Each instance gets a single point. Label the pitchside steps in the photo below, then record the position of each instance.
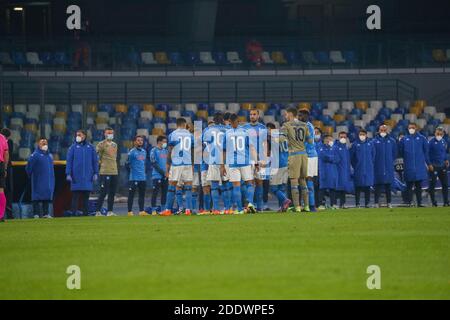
(59, 122)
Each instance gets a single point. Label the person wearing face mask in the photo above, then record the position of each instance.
(414, 150)
(41, 171)
(328, 164)
(344, 185)
(158, 160)
(81, 171)
(385, 155)
(440, 164)
(107, 155)
(362, 157)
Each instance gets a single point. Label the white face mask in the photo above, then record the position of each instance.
(44, 148)
(317, 137)
(164, 145)
(412, 131)
(362, 138)
(109, 136)
(438, 138)
(343, 140)
(78, 139)
(383, 134)
(331, 143)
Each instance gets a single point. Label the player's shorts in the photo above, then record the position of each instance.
(279, 176)
(298, 166)
(2, 175)
(205, 181)
(181, 174)
(313, 167)
(237, 174)
(196, 179)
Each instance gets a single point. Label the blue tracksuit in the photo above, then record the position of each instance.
(158, 159)
(344, 169)
(82, 165)
(414, 151)
(136, 163)
(42, 173)
(438, 152)
(385, 155)
(328, 164)
(362, 157)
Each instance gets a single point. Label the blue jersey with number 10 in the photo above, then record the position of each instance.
(214, 139)
(182, 142)
(237, 146)
(283, 151)
(311, 147)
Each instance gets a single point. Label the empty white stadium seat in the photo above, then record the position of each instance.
(50, 108)
(367, 117)
(191, 107)
(33, 58)
(148, 58)
(90, 120)
(206, 57)
(348, 105)
(359, 123)
(5, 58)
(77, 108)
(172, 126)
(439, 116)
(341, 128)
(421, 123)
(146, 115)
(234, 107)
(21, 108)
(397, 117)
(220, 107)
(174, 114)
(101, 126)
(16, 123)
(24, 153)
(161, 126)
(152, 140)
(268, 119)
(142, 132)
(32, 115)
(266, 58)
(411, 117)
(333, 105)
(233, 57)
(376, 104)
(336, 56)
(430, 110)
(391, 104)
(328, 112)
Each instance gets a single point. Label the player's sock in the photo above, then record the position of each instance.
(305, 196)
(229, 195)
(279, 194)
(2, 205)
(223, 190)
(179, 195)
(250, 192)
(283, 189)
(188, 190)
(259, 197)
(195, 201)
(207, 201)
(237, 197)
(215, 195)
(310, 184)
(170, 197)
(295, 195)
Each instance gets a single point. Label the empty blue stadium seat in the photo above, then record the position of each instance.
(135, 58)
(220, 58)
(292, 57)
(19, 58)
(163, 107)
(323, 57)
(193, 58)
(176, 58)
(350, 57)
(62, 59)
(46, 58)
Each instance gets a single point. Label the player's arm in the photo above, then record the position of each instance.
(169, 160)
(308, 136)
(155, 164)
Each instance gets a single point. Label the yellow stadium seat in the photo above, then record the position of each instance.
(318, 124)
(202, 114)
(390, 123)
(161, 58)
(339, 117)
(242, 119)
(32, 127)
(415, 110)
(247, 106)
(59, 128)
(100, 120)
(127, 144)
(7, 108)
(92, 108)
(149, 107)
(158, 131)
(328, 130)
(447, 120)
(363, 105)
(278, 57)
(61, 114)
(160, 114)
(121, 108)
(262, 106)
(420, 103)
(304, 105)
(439, 55)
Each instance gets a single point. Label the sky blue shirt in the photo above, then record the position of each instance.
(282, 154)
(214, 140)
(237, 146)
(159, 157)
(182, 142)
(258, 135)
(136, 161)
(311, 150)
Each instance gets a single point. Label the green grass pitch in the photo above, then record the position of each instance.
(267, 256)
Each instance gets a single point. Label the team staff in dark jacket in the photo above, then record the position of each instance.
(344, 169)
(328, 179)
(385, 155)
(439, 165)
(414, 150)
(81, 170)
(362, 156)
(42, 173)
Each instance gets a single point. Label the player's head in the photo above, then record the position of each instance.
(362, 135)
(138, 141)
(6, 132)
(226, 118)
(342, 137)
(254, 115)
(383, 130)
(400, 136)
(439, 133)
(161, 141)
(43, 144)
(181, 123)
(303, 115)
(291, 113)
(317, 133)
(270, 126)
(328, 140)
(80, 136)
(234, 120)
(412, 128)
(218, 118)
(109, 133)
